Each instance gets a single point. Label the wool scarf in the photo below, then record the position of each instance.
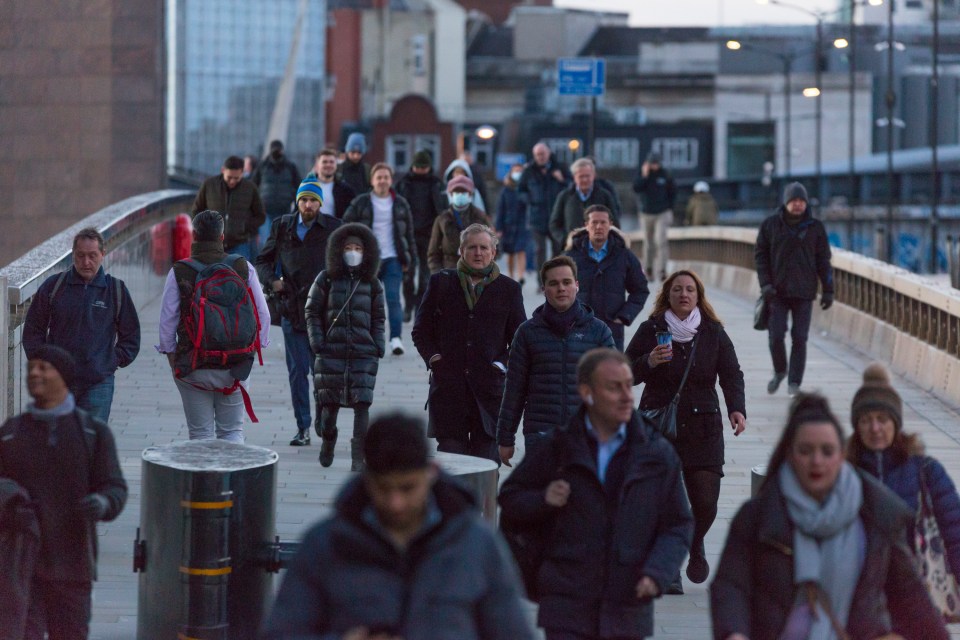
(561, 322)
(466, 273)
(683, 330)
(829, 548)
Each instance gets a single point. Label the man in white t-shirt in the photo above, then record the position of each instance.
(337, 194)
(388, 215)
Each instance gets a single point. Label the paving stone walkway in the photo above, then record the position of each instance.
(147, 412)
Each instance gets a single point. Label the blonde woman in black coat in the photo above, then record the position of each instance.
(345, 323)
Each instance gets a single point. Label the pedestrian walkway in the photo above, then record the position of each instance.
(147, 412)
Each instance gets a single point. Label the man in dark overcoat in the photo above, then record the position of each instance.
(463, 331)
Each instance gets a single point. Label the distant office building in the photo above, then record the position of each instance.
(226, 62)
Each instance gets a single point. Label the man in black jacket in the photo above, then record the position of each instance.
(277, 179)
(238, 201)
(540, 183)
(607, 269)
(337, 194)
(611, 493)
(658, 193)
(423, 190)
(569, 206)
(297, 249)
(67, 462)
(792, 253)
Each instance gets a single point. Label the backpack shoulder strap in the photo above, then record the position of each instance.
(89, 434)
(57, 284)
(193, 263)
(117, 298)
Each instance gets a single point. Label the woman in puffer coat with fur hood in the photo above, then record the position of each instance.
(345, 323)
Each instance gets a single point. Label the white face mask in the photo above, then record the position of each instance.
(460, 200)
(352, 258)
(515, 176)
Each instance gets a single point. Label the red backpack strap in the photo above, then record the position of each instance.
(227, 391)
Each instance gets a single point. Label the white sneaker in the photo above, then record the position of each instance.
(396, 346)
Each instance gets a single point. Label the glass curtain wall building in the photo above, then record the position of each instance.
(226, 60)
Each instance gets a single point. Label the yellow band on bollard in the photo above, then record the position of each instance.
(187, 504)
(206, 572)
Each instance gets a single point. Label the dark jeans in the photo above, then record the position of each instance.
(296, 346)
(62, 609)
(414, 285)
(540, 242)
(391, 274)
(98, 399)
(801, 310)
(328, 419)
(478, 442)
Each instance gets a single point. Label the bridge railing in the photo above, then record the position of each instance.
(920, 306)
(137, 232)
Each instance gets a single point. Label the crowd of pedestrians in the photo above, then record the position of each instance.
(611, 496)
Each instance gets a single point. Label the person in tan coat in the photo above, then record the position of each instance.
(701, 207)
(444, 249)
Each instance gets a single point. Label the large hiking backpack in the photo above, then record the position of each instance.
(222, 323)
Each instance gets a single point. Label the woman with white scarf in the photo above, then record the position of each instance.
(819, 554)
(681, 308)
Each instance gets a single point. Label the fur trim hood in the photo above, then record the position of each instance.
(575, 236)
(369, 266)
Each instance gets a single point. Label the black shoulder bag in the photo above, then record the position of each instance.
(664, 419)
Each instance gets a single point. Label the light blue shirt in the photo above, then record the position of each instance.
(584, 196)
(597, 255)
(302, 228)
(606, 450)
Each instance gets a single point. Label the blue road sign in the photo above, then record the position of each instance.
(581, 76)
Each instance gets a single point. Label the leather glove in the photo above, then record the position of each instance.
(768, 291)
(93, 506)
(826, 301)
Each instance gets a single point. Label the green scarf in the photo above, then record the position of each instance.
(472, 291)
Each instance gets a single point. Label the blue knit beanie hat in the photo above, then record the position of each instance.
(356, 142)
(310, 188)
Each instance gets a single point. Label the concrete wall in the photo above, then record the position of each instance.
(81, 112)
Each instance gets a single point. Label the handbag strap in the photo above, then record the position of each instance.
(683, 381)
(926, 498)
(345, 303)
(815, 595)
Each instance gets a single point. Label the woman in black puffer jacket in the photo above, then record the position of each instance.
(345, 323)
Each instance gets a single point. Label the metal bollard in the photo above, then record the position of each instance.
(953, 260)
(207, 511)
(757, 475)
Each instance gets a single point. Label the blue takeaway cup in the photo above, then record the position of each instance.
(665, 338)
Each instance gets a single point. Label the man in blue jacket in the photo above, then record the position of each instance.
(541, 383)
(611, 495)
(606, 269)
(404, 555)
(89, 314)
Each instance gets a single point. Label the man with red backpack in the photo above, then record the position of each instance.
(213, 322)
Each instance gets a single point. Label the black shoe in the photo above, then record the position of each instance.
(675, 588)
(698, 570)
(327, 448)
(775, 381)
(408, 314)
(302, 438)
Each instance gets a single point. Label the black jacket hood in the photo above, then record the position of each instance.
(369, 266)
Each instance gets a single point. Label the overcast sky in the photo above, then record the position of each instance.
(703, 13)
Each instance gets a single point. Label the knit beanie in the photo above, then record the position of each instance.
(654, 158)
(59, 358)
(461, 182)
(422, 158)
(876, 394)
(356, 142)
(310, 188)
(793, 191)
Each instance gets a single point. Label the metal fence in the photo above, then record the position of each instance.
(919, 306)
(137, 232)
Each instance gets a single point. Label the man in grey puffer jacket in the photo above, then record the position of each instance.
(405, 555)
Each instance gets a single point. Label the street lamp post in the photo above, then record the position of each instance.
(891, 100)
(818, 72)
(934, 136)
